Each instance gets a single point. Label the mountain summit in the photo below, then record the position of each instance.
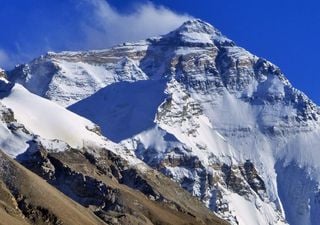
(197, 32)
(225, 124)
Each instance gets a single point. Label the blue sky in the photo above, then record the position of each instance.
(284, 32)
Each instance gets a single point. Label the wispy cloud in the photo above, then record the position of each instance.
(94, 24)
(107, 26)
(4, 58)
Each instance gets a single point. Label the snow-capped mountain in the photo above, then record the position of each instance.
(98, 181)
(224, 123)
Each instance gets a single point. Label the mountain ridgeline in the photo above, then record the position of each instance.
(181, 128)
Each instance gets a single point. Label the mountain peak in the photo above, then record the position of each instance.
(197, 25)
(196, 31)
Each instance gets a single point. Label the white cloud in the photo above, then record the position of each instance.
(107, 26)
(4, 59)
(93, 24)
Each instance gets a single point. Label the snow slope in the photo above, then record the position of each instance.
(26, 118)
(125, 109)
(67, 78)
(49, 120)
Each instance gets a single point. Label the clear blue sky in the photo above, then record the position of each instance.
(286, 32)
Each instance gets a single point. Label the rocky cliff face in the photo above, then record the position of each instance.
(225, 124)
(27, 199)
(114, 190)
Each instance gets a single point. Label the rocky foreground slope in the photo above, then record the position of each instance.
(115, 191)
(25, 198)
(225, 124)
(108, 193)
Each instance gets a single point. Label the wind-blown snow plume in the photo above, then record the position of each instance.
(107, 26)
(4, 58)
(94, 24)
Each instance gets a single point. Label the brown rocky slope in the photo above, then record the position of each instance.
(98, 188)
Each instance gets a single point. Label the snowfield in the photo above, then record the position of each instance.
(49, 120)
